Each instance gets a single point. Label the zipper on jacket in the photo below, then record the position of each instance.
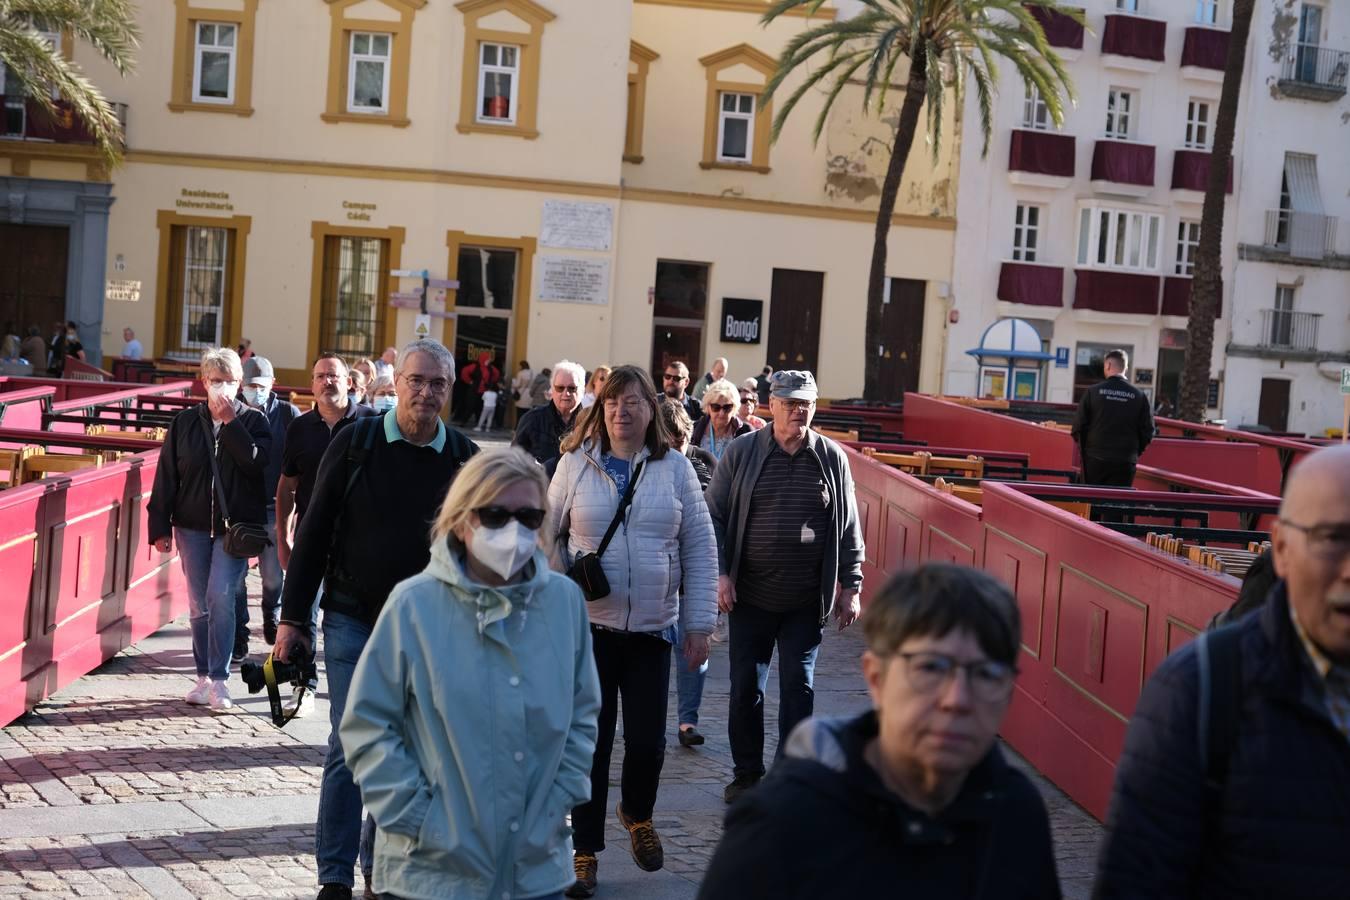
(215, 451)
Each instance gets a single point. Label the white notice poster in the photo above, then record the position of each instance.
(576, 225)
(572, 279)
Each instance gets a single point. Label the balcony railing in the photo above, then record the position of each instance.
(1123, 162)
(1312, 72)
(1205, 48)
(1284, 329)
(1041, 153)
(23, 118)
(1301, 234)
(1060, 30)
(1135, 36)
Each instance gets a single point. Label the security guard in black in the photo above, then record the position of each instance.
(1113, 425)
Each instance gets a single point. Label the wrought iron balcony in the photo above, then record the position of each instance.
(1284, 329)
(1205, 47)
(22, 118)
(1302, 235)
(1312, 72)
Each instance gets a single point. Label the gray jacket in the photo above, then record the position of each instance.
(733, 485)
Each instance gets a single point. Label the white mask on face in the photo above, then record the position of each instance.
(385, 402)
(255, 397)
(227, 390)
(504, 550)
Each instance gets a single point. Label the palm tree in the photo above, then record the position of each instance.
(1207, 279)
(42, 71)
(947, 43)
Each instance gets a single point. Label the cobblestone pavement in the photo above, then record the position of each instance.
(115, 787)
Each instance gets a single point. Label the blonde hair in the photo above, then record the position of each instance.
(724, 389)
(480, 482)
(221, 359)
(599, 370)
(381, 383)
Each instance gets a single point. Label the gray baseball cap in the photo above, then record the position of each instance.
(257, 367)
(793, 384)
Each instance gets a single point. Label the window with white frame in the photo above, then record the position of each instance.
(1282, 319)
(1026, 232)
(202, 315)
(1207, 12)
(14, 111)
(735, 127)
(1035, 114)
(1198, 131)
(213, 62)
(1120, 109)
(498, 82)
(1111, 238)
(1188, 242)
(368, 72)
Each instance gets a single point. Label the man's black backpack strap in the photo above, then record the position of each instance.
(1218, 713)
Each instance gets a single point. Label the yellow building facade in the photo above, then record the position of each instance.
(592, 178)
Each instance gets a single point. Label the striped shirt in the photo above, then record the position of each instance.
(1335, 679)
(784, 543)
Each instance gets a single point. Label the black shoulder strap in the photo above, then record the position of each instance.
(1219, 710)
(358, 451)
(215, 469)
(618, 515)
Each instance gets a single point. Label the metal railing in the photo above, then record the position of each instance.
(1306, 235)
(1322, 67)
(1285, 329)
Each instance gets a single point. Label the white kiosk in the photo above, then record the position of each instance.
(1012, 363)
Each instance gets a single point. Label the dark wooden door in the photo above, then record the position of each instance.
(794, 319)
(32, 277)
(901, 338)
(1273, 409)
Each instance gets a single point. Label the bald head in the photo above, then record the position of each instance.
(1311, 546)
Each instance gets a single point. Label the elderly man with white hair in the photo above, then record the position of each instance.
(540, 430)
(186, 509)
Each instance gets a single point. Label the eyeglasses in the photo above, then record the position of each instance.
(420, 384)
(796, 405)
(670, 377)
(721, 407)
(560, 389)
(497, 516)
(989, 680)
(329, 376)
(1326, 541)
(747, 399)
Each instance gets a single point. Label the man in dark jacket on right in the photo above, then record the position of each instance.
(1266, 812)
(1113, 425)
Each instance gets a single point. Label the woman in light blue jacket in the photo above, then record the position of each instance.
(471, 720)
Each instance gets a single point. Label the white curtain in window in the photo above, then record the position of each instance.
(1307, 219)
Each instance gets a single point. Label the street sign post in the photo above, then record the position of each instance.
(1345, 400)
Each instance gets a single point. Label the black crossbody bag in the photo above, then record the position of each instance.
(243, 540)
(586, 571)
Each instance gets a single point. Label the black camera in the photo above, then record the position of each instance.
(273, 673)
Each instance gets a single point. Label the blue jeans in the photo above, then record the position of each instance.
(754, 633)
(338, 835)
(212, 575)
(269, 567)
(688, 685)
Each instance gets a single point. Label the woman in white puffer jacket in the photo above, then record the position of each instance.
(661, 565)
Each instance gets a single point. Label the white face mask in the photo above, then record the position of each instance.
(227, 390)
(256, 397)
(504, 550)
(385, 402)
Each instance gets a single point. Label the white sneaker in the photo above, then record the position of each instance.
(220, 696)
(300, 706)
(200, 693)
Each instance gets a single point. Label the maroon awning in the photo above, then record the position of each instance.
(1041, 152)
(1123, 162)
(1060, 30)
(1031, 283)
(1122, 292)
(64, 128)
(1190, 170)
(1134, 36)
(1206, 48)
(1176, 298)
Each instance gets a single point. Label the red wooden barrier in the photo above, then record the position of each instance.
(951, 424)
(1274, 454)
(24, 408)
(1227, 462)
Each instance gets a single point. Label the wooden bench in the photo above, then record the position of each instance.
(303, 402)
(11, 464)
(149, 434)
(914, 463)
(836, 435)
(970, 467)
(960, 491)
(45, 464)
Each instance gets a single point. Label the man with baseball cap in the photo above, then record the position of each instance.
(259, 379)
(789, 537)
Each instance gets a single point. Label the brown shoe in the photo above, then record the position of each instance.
(647, 852)
(586, 866)
(369, 892)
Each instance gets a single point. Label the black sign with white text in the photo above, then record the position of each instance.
(741, 320)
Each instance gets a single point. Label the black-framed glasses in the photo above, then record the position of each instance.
(497, 516)
(560, 389)
(721, 407)
(1329, 541)
(989, 680)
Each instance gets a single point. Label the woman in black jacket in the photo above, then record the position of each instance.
(185, 508)
(914, 798)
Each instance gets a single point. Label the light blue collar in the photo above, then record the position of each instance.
(393, 433)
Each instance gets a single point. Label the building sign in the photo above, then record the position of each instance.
(358, 212)
(1212, 395)
(577, 226)
(126, 291)
(741, 320)
(1143, 376)
(571, 279)
(422, 326)
(1345, 380)
(1061, 357)
(214, 200)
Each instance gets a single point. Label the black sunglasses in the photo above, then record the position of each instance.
(497, 516)
(721, 407)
